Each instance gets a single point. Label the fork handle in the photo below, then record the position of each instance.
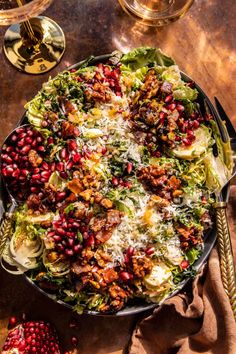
(5, 226)
(226, 254)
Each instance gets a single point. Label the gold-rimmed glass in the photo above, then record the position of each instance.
(32, 44)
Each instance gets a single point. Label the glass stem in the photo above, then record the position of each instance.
(27, 26)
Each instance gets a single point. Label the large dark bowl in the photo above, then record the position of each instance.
(209, 239)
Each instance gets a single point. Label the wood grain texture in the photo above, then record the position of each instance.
(203, 45)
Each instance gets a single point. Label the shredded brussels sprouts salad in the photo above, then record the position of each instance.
(116, 176)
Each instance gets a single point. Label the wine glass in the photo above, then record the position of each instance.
(156, 12)
(32, 44)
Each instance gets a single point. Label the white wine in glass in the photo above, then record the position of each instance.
(156, 12)
(32, 44)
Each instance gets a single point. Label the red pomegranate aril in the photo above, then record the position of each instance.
(44, 124)
(69, 252)
(70, 242)
(57, 238)
(184, 264)
(77, 248)
(50, 140)
(39, 139)
(46, 174)
(90, 241)
(60, 166)
(7, 159)
(130, 251)
(28, 140)
(150, 250)
(129, 167)
(35, 176)
(53, 166)
(168, 98)
(60, 196)
(125, 276)
(186, 141)
(14, 138)
(77, 157)
(63, 175)
(72, 144)
(34, 144)
(115, 181)
(177, 138)
(190, 133)
(41, 148)
(21, 142)
(25, 149)
(171, 106)
(74, 341)
(195, 124)
(63, 153)
(69, 165)
(12, 321)
(34, 189)
(180, 108)
(16, 173)
(45, 165)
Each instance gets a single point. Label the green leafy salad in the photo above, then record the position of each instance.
(116, 176)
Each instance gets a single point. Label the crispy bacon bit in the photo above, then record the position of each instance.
(142, 266)
(68, 130)
(34, 158)
(104, 226)
(98, 92)
(78, 269)
(75, 186)
(110, 275)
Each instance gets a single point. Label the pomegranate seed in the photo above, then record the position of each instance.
(63, 153)
(177, 138)
(36, 170)
(104, 150)
(77, 248)
(184, 264)
(180, 108)
(60, 196)
(74, 341)
(130, 251)
(72, 144)
(125, 276)
(90, 241)
(45, 165)
(129, 167)
(168, 98)
(57, 238)
(14, 138)
(21, 142)
(115, 181)
(69, 253)
(39, 139)
(34, 189)
(16, 173)
(150, 250)
(63, 175)
(41, 148)
(35, 177)
(25, 172)
(76, 132)
(50, 140)
(77, 157)
(186, 142)
(53, 166)
(69, 165)
(12, 321)
(60, 166)
(195, 124)
(171, 106)
(46, 174)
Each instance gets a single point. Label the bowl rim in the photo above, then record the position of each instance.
(209, 238)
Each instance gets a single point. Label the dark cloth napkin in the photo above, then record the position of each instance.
(197, 322)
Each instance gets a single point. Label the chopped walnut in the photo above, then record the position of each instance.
(117, 292)
(34, 158)
(142, 265)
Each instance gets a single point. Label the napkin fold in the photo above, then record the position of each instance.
(200, 321)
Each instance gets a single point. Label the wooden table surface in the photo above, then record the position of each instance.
(203, 44)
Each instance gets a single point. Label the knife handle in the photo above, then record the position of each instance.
(226, 254)
(5, 226)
